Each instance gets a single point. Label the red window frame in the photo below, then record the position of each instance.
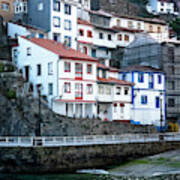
(79, 91)
(67, 84)
(89, 34)
(119, 37)
(69, 65)
(85, 50)
(78, 74)
(89, 68)
(89, 89)
(81, 32)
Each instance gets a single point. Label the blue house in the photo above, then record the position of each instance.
(148, 94)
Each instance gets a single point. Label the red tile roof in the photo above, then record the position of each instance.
(111, 69)
(115, 81)
(127, 29)
(60, 49)
(81, 21)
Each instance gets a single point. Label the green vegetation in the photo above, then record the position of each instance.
(6, 68)
(11, 94)
(175, 24)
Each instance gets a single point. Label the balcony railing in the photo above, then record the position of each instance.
(86, 140)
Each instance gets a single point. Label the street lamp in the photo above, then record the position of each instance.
(161, 113)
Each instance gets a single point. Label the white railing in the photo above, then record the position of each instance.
(86, 140)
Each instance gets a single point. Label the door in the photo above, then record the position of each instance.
(27, 73)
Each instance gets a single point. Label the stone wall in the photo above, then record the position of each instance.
(69, 159)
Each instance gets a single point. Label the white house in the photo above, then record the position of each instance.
(162, 6)
(85, 36)
(66, 77)
(114, 95)
(16, 29)
(148, 94)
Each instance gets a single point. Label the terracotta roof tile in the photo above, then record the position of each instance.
(60, 49)
(115, 81)
(81, 21)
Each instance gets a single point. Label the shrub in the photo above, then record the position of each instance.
(11, 94)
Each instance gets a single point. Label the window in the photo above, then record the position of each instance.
(78, 91)
(56, 21)
(78, 70)
(159, 79)
(144, 99)
(89, 34)
(118, 90)
(28, 51)
(150, 28)
(118, 22)
(67, 9)
(40, 6)
(100, 35)
(5, 6)
(124, 77)
(67, 25)
(89, 68)
(89, 88)
(38, 70)
(103, 74)
(85, 50)
(126, 37)
(50, 89)
(140, 77)
(101, 89)
(67, 87)
(67, 40)
(81, 32)
(67, 67)
(157, 102)
(57, 5)
(57, 37)
(171, 102)
(50, 68)
(139, 25)
(15, 53)
(41, 36)
(159, 29)
(108, 90)
(130, 24)
(120, 37)
(109, 37)
(93, 52)
(126, 91)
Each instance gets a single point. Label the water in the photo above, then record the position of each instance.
(165, 166)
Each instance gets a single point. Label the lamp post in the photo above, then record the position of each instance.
(161, 113)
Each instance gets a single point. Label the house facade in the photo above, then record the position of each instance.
(67, 78)
(113, 96)
(59, 19)
(6, 9)
(148, 94)
(162, 6)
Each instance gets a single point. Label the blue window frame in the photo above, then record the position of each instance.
(67, 25)
(41, 36)
(140, 77)
(56, 21)
(57, 5)
(68, 40)
(93, 53)
(151, 81)
(159, 79)
(67, 9)
(144, 100)
(157, 102)
(124, 76)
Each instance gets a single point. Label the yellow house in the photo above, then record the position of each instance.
(6, 9)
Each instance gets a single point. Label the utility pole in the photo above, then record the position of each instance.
(161, 114)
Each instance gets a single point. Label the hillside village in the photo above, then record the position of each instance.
(82, 61)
